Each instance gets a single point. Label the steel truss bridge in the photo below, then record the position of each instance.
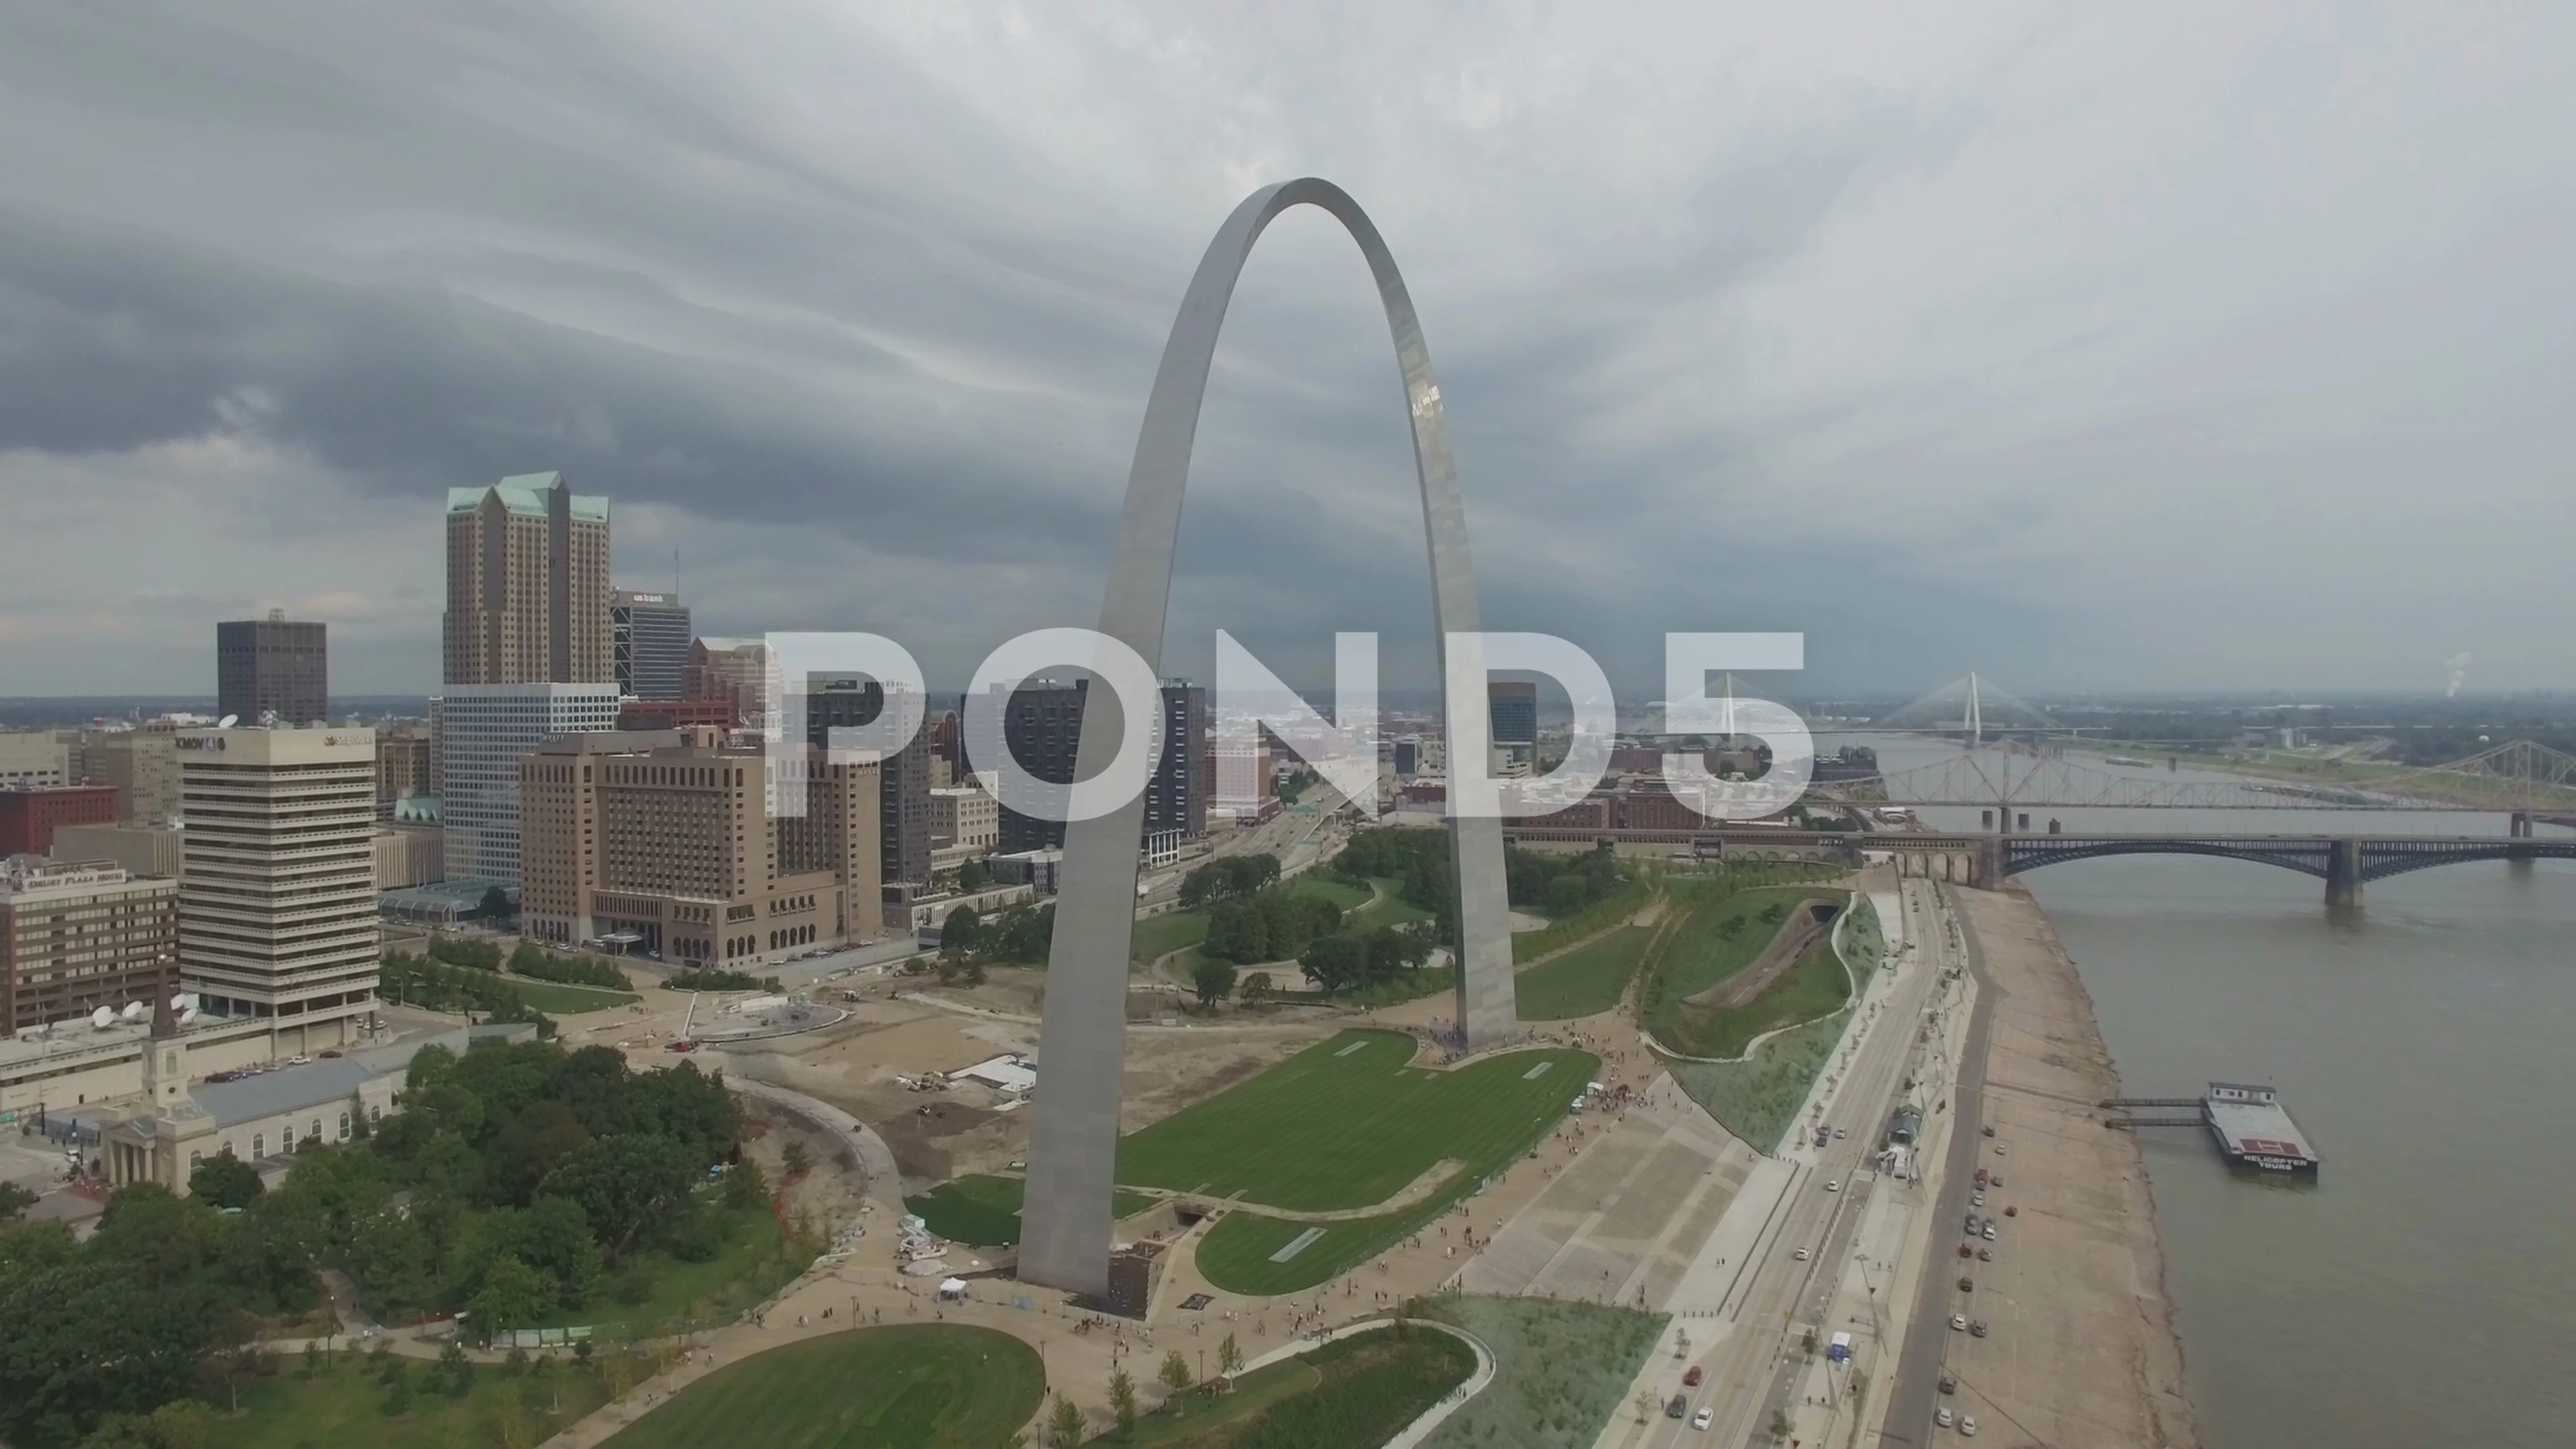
(2521, 778)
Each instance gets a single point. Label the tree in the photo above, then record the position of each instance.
(495, 905)
(626, 1185)
(1213, 979)
(1336, 962)
(1229, 1356)
(1122, 1400)
(961, 933)
(513, 1295)
(1256, 987)
(455, 1373)
(971, 876)
(745, 1186)
(397, 1389)
(793, 1158)
(14, 1201)
(225, 1181)
(1065, 1427)
(1175, 1372)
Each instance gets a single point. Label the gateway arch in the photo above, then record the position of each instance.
(1073, 1138)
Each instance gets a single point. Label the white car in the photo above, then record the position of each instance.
(1968, 1426)
(1959, 1321)
(1700, 1419)
(1944, 1418)
(1800, 1255)
(1833, 1187)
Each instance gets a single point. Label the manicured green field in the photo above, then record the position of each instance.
(1362, 1390)
(983, 1211)
(1169, 931)
(1817, 984)
(345, 1404)
(1392, 909)
(1583, 981)
(556, 999)
(905, 1387)
(1350, 1121)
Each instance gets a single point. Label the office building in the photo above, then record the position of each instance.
(277, 880)
(735, 671)
(482, 731)
(1042, 724)
(1512, 708)
(527, 584)
(142, 766)
(669, 848)
(76, 937)
(136, 847)
(272, 670)
(33, 759)
(406, 766)
(29, 817)
(965, 824)
(1408, 758)
(904, 779)
(648, 640)
(1242, 788)
(409, 856)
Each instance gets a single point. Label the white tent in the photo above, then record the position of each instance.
(951, 1289)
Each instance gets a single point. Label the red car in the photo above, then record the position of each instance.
(1691, 1380)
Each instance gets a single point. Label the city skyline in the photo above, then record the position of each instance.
(2089, 410)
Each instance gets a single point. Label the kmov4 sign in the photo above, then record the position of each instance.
(1249, 699)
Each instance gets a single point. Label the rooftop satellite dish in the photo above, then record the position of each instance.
(102, 1017)
(133, 1012)
(188, 1017)
(228, 721)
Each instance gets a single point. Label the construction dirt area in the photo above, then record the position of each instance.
(903, 1030)
(2082, 1348)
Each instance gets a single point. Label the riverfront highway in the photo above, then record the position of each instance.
(1750, 1352)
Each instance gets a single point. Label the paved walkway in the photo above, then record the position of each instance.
(875, 1158)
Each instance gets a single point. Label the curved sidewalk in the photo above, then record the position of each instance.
(1429, 1419)
(876, 1159)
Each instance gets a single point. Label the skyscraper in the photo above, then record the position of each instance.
(648, 636)
(277, 879)
(1042, 724)
(903, 806)
(527, 584)
(482, 730)
(1513, 710)
(273, 666)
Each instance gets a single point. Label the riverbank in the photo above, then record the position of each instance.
(2082, 1347)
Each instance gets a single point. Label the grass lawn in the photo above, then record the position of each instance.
(1560, 1370)
(1756, 1098)
(1344, 1124)
(1169, 931)
(1349, 1121)
(757, 1259)
(1586, 980)
(344, 1404)
(1363, 1389)
(983, 1211)
(556, 999)
(1592, 920)
(1817, 984)
(904, 1387)
(1699, 953)
(1392, 909)
(1340, 892)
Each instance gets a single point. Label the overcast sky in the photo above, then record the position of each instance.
(2083, 345)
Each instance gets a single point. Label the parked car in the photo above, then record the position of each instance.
(1968, 1426)
(1944, 1417)
(1959, 1321)
(1949, 1383)
(1977, 1328)
(1989, 1233)
(1691, 1380)
(1678, 1407)
(1984, 1255)
(1965, 1250)
(1967, 1285)
(1989, 1131)
(2012, 1211)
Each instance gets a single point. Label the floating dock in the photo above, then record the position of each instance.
(2248, 1122)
